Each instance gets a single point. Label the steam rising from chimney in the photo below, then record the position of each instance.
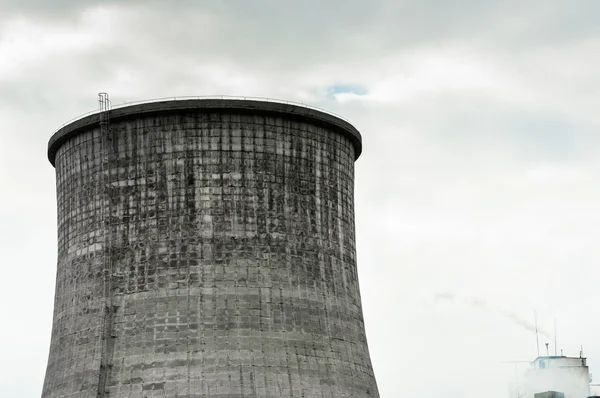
(483, 305)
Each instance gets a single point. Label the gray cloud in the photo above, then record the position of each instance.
(410, 22)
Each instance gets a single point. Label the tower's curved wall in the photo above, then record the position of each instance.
(206, 248)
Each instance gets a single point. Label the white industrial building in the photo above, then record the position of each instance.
(567, 375)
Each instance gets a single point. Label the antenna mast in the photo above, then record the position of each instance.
(537, 340)
(555, 346)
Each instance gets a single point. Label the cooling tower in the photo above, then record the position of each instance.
(206, 248)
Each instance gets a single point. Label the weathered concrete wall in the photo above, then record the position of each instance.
(230, 241)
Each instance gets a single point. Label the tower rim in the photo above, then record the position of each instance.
(225, 105)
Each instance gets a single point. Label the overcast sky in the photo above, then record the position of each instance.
(477, 192)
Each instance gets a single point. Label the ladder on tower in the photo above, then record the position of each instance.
(107, 331)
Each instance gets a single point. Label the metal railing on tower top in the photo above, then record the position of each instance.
(233, 97)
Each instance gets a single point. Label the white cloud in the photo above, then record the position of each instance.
(25, 42)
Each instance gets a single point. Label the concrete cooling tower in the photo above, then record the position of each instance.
(206, 248)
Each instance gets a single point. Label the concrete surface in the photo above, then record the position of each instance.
(207, 253)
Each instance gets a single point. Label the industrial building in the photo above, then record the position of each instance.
(554, 376)
(206, 248)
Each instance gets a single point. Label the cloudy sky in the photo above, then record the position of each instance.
(477, 192)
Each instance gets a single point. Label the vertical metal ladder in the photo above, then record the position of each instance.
(107, 332)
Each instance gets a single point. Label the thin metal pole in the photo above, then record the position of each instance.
(555, 346)
(537, 340)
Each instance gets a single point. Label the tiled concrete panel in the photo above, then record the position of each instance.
(211, 254)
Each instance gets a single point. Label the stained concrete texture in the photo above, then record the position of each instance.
(207, 252)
